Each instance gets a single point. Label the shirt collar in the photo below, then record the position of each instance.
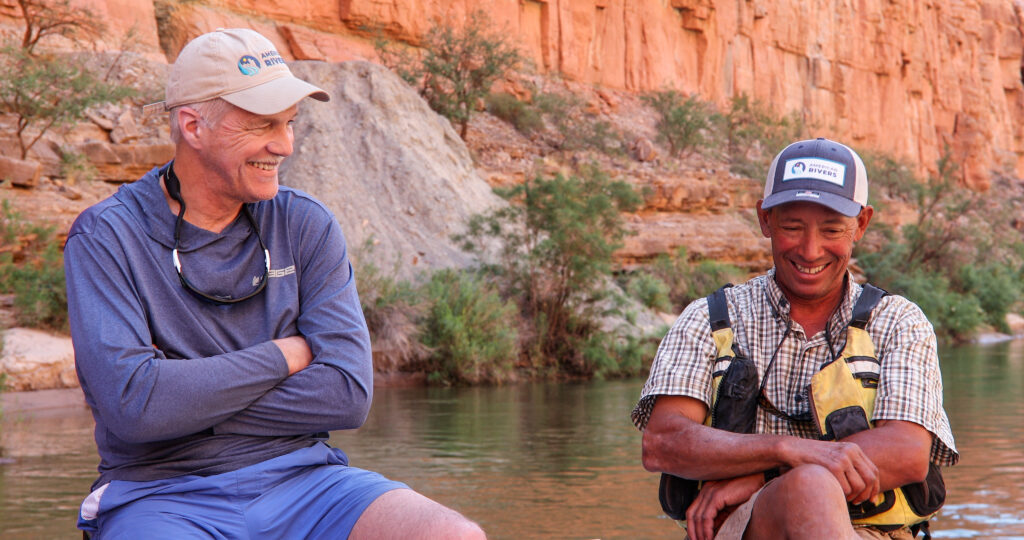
(840, 317)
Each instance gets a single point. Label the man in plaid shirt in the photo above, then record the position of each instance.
(790, 322)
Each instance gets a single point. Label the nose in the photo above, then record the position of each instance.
(811, 246)
(281, 143)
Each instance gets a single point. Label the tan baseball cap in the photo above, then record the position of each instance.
(239, 66)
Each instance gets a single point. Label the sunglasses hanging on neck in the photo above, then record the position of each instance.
(174, 190)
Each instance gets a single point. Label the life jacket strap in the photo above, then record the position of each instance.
(869, 298)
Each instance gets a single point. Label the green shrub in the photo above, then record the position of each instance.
(954, 314)
(687, 124)
(754, 134)
(44, 91)
(996, 287)
(456, 65)
(577, 128)
(555, 254)
(75, 166)
(650, 290)
(391, 307)
(32, 268)
(48, 92)
(622, 355)
(470, 330)
(525, 118)
(688, 280)
(890, 178)
(960, 260)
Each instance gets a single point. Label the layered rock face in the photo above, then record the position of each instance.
(908, 78)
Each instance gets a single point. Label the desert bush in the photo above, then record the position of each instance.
(960, 260)
(469, 328)
(455, 66)
(32, 268)
(75, 166)
(44, 91)
(392, 308)
(524, 117)
(621, 354)
(556, 243)
(685, 279)
(754, 134)
(650, 290)
(577, 129)
(687, 124)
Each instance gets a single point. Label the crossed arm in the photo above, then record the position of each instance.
(316, 375)
(675, 441)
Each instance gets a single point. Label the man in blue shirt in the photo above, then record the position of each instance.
(218, 334)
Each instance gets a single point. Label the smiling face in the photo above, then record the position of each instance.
(242, 152)
(811, 248)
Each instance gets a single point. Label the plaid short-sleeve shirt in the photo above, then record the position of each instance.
(910, 383)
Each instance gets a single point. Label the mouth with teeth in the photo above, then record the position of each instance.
(264, 165)
(810, 269)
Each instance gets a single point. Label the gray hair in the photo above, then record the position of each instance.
(212, 111)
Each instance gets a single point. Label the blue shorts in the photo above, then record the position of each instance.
(310, 493)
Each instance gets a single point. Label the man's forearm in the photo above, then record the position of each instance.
(675, 442)
(900, 450)
(318, 398)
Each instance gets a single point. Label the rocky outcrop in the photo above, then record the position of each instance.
(34, 360)
(394, 173)
(910, 79)
(906, 78)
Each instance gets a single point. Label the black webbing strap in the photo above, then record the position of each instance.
(869, 298)
(718, 309)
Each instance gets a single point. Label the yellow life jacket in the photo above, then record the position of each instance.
(842, 402)
(842, 396)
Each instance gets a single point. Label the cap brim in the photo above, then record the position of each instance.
(838, 203)
(275, 96)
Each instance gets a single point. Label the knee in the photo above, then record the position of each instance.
(465, 529)
(811, 484)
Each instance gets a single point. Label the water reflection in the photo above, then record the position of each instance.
(982, 392)
(549, 460)
(533, 461)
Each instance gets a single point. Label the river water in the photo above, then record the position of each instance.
(548, 460)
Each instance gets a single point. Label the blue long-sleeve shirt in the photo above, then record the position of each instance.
(178, 385)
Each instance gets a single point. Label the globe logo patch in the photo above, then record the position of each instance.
(248, 65)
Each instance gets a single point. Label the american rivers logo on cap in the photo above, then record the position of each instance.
(248, 65)
(820, 171)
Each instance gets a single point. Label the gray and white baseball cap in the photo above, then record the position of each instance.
(819, 171)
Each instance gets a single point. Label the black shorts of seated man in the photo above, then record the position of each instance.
(218, 334)
(800, 404)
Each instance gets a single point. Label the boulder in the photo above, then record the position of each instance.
(19, 172)
(393, 171)
(35, 360)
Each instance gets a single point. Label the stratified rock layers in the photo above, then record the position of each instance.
(908, 78)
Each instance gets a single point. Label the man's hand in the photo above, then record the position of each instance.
(856, 473)
(702, 518)
(296, 352)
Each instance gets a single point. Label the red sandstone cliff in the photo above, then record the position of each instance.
(905, 77)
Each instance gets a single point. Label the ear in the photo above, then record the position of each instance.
(189, 122)
(863, 218)
(762, 219)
